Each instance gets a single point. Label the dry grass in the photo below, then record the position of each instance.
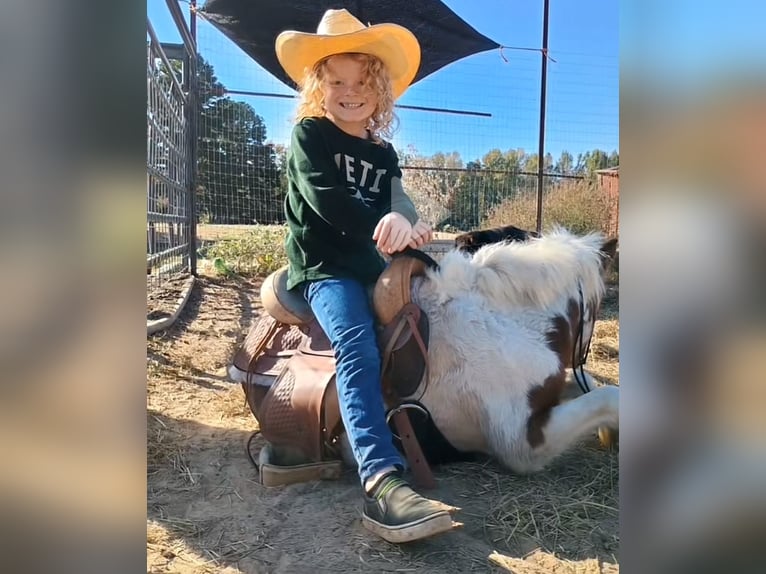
(556, 509)
(543, 563)
(174, 543)
(160, 445)
(168, 551)
(570, 509)
(232, 404)
(604, 357)
(166, 449)
(214, 232)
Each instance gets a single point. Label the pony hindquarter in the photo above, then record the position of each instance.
(507, 324)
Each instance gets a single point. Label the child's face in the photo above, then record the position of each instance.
(349, 100)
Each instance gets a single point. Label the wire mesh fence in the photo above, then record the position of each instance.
(169, 163)
(459, 199)
(464, 152)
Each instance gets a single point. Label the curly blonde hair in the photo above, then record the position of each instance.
(383, 121)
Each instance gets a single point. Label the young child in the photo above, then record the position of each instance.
(345, 202)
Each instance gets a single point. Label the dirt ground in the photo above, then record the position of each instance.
(207, 512)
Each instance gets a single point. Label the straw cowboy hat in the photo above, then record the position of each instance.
(339, 31)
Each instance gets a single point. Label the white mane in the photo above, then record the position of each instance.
(538, 273)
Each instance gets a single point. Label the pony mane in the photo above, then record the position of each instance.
(537, 273)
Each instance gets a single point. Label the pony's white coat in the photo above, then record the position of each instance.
(489, 317)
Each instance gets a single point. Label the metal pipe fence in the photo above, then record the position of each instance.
(170, 160)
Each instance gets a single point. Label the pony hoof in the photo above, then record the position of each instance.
(609, 437)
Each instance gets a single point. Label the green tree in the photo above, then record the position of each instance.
(515, 159)
(463, 198)
(531, 163)
(238, 178)
(565, 164)
(598, 159)
(548, 163)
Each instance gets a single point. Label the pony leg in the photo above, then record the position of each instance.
(608, 437)
(572, 421)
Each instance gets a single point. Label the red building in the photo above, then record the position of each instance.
(609, 180)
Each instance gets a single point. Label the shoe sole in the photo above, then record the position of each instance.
(429, 526)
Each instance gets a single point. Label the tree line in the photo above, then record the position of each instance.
(241, 176)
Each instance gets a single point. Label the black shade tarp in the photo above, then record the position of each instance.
(253, 25)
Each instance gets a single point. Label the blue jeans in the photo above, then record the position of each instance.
(342, 309)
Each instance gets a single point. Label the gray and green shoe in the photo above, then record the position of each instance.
(398, 514)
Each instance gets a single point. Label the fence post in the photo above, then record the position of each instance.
(541, 149)
(192, 102)
(191, 160)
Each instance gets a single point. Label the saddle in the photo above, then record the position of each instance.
(287, 370)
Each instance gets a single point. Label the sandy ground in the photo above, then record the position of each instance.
(206, 512)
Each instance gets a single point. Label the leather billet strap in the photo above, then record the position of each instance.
(412, 451)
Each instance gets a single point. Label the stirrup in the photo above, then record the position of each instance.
(403, 407)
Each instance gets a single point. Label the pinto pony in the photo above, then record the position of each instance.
(508, 323)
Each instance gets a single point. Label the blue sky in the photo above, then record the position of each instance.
(583, 82)
(689, 44)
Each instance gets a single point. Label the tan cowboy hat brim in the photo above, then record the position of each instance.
(396, 46)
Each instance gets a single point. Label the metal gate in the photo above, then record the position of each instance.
(171, 141)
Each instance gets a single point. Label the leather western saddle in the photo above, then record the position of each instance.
(287, 369)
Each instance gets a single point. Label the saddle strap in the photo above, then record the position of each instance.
(397, 337)
(412, 451)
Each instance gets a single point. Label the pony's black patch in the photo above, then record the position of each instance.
(472, 241)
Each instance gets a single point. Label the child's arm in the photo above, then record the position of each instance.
(421, 232)
(401, 202)
(315, 174)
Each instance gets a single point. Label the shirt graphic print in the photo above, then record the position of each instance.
(361, 177)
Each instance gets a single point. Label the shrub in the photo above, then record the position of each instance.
(579, 205)
(257, 251)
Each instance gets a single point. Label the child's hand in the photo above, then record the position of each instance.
(392, 233)
(421, 234)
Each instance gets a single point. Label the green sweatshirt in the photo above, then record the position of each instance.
(339, 187)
